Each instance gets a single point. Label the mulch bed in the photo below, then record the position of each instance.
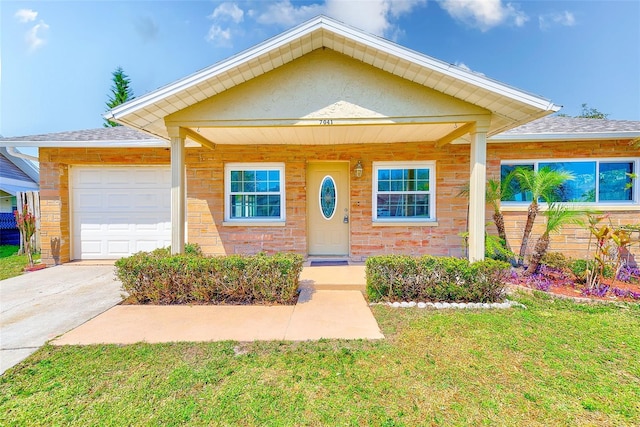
(564, 284)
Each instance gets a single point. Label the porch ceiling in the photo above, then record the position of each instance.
(328, 135)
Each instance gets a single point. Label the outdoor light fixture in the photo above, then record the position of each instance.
(358, 169)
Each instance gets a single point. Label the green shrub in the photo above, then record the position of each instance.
(555, 260)
(428, 278)
(579, 268)
(160, 278)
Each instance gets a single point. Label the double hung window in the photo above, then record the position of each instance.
(254, 192)
(403, 191)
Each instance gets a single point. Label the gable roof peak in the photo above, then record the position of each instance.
(509, 105)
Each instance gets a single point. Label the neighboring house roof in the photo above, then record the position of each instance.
(559, 128)
(17, 174)
(119, 136)
(509, 106)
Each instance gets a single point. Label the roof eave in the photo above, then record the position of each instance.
(556, 137)
(133, 143)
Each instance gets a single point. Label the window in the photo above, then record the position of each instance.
(254, 192)
(403, 191)
(595, 181)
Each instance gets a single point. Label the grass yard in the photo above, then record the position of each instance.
(555, 363)
(12, 265)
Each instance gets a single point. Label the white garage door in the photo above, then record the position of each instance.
(117, 211)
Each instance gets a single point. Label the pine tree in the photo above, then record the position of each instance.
(120, 93)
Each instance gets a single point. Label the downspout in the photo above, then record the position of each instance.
(12, 151)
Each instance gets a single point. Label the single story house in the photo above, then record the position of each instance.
(17, 175)
(324, 141)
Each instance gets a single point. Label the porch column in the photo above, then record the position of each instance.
(477, 191)
(178, 193)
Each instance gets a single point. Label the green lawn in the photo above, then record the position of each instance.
(12, 265)
(554, 363)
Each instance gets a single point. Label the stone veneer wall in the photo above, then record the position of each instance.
(205, 193)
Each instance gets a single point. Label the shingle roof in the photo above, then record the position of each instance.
(555, 125)
(118, 133)
(100, 136)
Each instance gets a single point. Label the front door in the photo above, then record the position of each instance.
(328, 208)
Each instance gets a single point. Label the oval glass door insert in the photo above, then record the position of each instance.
(328, 197)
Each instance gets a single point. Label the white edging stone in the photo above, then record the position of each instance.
(456, 305)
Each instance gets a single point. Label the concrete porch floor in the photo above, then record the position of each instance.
(331, 305)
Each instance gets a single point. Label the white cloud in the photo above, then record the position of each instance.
(226, 18)
(284, 13)
(467, 68)
(484, 14)
(34, 36)
(228, 11)
(26, 15)
(463, 66)
(566, 19)
(219, 36)
(373, 16)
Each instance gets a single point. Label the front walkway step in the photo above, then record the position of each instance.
(334, 315)
(334, 278)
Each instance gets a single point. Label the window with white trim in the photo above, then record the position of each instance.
(404, 191)
(599, 181)
(254, 192)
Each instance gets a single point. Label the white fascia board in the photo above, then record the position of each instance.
(351, 33)
(578, 136)
(134, 143)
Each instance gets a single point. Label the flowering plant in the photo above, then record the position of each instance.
(26, 223)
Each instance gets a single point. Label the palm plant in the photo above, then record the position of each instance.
(498, 190)
(542, 184)
(557, 217)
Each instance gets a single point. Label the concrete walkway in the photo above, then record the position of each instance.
(38, 306)
(341, 314)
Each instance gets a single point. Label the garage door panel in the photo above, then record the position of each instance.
(119, 211)
(148, 178)
(119, 247)
(117, 178)
(87, 177)
(87, 201)
(92, 248)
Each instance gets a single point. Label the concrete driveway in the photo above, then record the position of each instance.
(39, 306)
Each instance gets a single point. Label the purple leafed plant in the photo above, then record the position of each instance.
(625, 293)
(629, 274)
(540, 281)
(597, 291)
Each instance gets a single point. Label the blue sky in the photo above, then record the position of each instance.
(57, 57)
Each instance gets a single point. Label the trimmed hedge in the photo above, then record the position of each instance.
(160, 278)
(429, 278)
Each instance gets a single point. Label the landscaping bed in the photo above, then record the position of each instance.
(161, 278)
(569, 278)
